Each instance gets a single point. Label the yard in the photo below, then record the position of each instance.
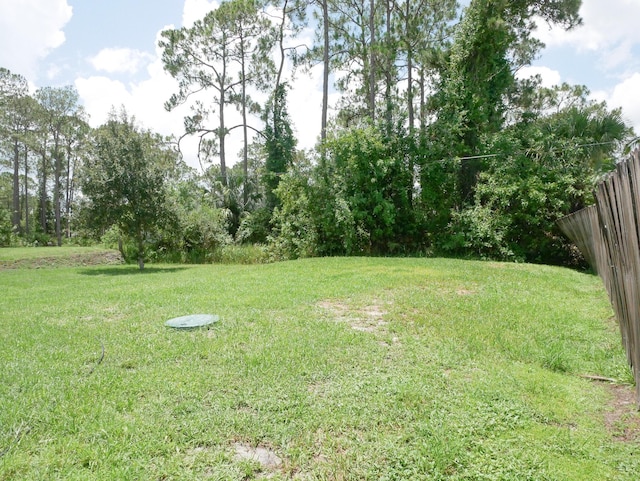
(319, 369)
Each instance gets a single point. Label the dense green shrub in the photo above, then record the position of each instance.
(355, 200)
(203, 231)
(5, 227)
(294, 233)
(254, 227)
(544, 170)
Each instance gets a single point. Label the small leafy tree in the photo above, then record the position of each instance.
(201, 228)
(5, 213)
(125, 181)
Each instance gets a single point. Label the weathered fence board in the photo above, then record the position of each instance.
(581, 228)
(608, 235)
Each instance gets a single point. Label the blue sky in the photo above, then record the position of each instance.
(99, 24)
(107, 50)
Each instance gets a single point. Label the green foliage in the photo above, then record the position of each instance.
(203, 232)
(294, 232)
(125, 180)
(491, 41)
(355, 201)
(228, 194)
(254, 227)
(477, 230)
(545, 169)
(438, 195)
(199, 228)
(366, 177)
(279, 144)
(5, 226)
(111, 238)
(241, 254)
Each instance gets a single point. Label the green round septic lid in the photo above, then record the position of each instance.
(194, 320)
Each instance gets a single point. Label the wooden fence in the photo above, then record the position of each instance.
(608, 235)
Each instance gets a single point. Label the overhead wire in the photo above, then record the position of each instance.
(444, 159)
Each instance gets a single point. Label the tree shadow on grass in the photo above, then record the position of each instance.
(130, 270)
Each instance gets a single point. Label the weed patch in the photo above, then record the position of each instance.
(368, 318)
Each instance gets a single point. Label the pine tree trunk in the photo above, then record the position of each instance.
(372, 62)
(67, 202)
(389, 56)
(26, 190)
(245, 154)
(325, 72)
(43, 195)
(15, 217)
(57, 197)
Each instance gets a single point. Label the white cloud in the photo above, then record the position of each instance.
(197, 9)
(114, 60)
(609, 28)
(36, 26)
(610, 34)
(305, 107)
(53, 71)
(144, 99)
(99, 95)
(549, 76)
(625, 95)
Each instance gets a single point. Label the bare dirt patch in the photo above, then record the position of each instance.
(267, 458)
(369, 318)
(623, 419)
(465, 292)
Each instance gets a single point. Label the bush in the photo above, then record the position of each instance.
(254, 227)
(203, 232)
(111, 238)
(5, 227)
(480, 231)
(294, 230)
(241, 254)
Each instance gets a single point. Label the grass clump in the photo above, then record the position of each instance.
(342, 368)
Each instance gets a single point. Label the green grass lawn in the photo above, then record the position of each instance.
(343, 368)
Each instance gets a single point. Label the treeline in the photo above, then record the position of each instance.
(435, 146)
(43, 138)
